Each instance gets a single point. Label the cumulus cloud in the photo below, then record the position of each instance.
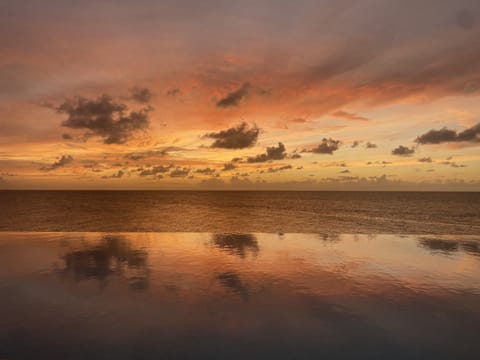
(453, 164)
(206, 171)
(119, 174)
(229, 166)
(383, 163)
(234, 98)
(368, 145)
(141, 95)
(280, 168)
(139, 155)
(105, 118)
(180, 173)
(349, 116)
(160, 169)
(444, 135)
(403, 151)
(61, 162)
(425, 160)
(272, 153)
(327, 146)
(238, 137)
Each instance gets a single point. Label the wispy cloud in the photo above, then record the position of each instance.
(234, 98)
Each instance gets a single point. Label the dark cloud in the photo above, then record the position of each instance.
(337, 164)
(368, 145)
(67, 137)
(229, 166)
(327, 146)
(437, 136)
(295, 156)
(280, 168)
(383, 163)
(104, 117)
(180, 173)
(447, 135)
(119, 174)
(160, 169)
(153, 153)
(238, 137)
(141, 95)
(403, 151)
(206, 171)
(453, 164)
(273, 153)
(425, 160)
(234, 98)
(349, 116)
(471, 134)
(346, 171)
(61, 162)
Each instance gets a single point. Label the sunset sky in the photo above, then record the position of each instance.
(264, 94)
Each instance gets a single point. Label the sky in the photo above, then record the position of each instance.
(264, 94)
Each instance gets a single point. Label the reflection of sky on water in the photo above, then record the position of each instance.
(237, 295)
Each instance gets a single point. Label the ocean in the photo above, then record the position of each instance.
(236, 275)
(242, 211)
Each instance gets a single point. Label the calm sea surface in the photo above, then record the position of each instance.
(239, 275)
(189, 211)
(238, 296)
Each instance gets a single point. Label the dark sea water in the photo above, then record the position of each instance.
(272, 212)
(239, 275)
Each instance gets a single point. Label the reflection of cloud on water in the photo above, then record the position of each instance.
(471, 247)
(232, 281)
(112, 256)
(236, 244)
(448, 247)
(329, 238)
